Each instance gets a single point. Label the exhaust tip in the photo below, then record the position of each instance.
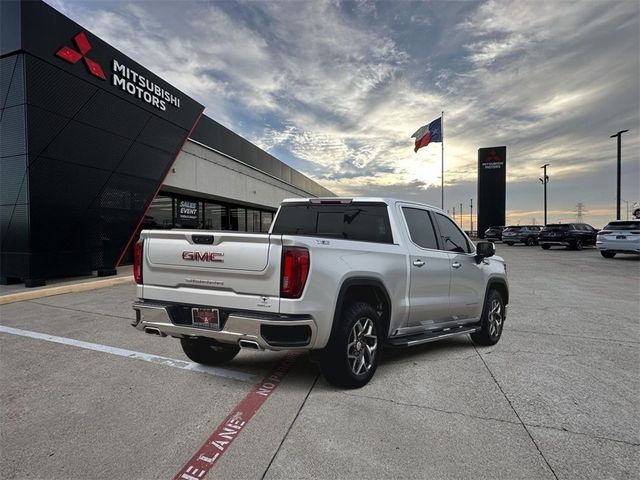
(249, 344)
(153, 331)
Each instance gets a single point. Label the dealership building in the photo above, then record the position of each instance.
(94, 148)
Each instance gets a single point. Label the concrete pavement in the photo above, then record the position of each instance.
(556, 398)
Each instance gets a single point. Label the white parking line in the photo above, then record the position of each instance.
(169, 362)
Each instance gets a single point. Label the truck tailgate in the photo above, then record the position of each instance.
(209, 264)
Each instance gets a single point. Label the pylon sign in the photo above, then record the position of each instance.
(492, 180)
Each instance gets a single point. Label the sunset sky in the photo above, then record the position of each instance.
(335, 89)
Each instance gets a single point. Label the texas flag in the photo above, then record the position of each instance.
(427, 134)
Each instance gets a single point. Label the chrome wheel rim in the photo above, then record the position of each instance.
(495, 318)
(362, 346)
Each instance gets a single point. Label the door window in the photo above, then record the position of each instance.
(420, 227)
(453, 239)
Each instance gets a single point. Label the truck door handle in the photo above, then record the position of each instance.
(418, 263)
(456, 265)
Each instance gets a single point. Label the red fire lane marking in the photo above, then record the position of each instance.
(224, 435)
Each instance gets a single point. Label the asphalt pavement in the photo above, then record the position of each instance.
(84, 395)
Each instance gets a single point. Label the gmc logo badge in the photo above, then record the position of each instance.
(203, 257)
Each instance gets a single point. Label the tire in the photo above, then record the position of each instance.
(509, 243)
(577, 245)
(607, 253)
(530, 242)
(492, 321)
(208, 352)
(351, 357)
(545, 246)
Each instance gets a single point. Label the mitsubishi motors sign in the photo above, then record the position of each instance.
(122, 76)
(48, 35)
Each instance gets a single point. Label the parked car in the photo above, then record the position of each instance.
(493, 234)
(336, 276)
(619, 236)
(571, 235)
(527, 234)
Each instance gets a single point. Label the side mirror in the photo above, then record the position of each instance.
(484, 250)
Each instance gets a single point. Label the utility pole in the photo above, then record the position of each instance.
(454, 214)
(461, 217)
(580, 211)
(619, 135)
(545, 180)
(471, 213)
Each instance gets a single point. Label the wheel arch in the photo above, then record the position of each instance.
(501, 286)
(365, 289)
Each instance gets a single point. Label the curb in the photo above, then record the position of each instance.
(71, 288)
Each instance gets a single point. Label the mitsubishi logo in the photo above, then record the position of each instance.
(73, 56)
(493, 157)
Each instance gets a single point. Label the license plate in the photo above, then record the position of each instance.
(621, 237)
(206, 317)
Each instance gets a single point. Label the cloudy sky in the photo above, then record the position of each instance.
(335, 89)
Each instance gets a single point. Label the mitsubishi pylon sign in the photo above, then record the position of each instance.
(492, 176)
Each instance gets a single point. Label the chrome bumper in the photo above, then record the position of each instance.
(154, 318)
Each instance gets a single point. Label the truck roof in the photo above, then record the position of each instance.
(388, 201)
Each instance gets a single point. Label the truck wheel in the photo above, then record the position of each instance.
(509, 243)
(492, 321)
(607, 253)
(207, 351)
(352, 355)
(531, 242)
(578, 245)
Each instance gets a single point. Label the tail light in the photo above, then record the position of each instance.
(295, 268)
(137, 262)
(604, 232)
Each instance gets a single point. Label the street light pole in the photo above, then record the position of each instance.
(619, 135)
(461, 218)
(471, 214)
(545, 180)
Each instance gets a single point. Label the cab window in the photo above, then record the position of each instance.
(420, 227)
(453, 240)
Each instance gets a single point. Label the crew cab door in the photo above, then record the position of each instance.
(467, 277)
(429, 271)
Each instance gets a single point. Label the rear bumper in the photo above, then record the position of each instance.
(270, 332)
(618, 246)
(554, 242)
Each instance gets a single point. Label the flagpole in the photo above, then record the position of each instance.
(442, 175)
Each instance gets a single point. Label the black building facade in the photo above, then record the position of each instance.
(87, 137)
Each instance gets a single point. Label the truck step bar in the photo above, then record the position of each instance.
(420, 338)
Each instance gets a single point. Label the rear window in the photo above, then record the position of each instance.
(559, 228)
(630, 225)
(365, 222)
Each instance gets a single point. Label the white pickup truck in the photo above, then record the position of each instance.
(337, 276)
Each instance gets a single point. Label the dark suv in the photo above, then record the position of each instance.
(527, 234)
(572, 235)
(493, 234)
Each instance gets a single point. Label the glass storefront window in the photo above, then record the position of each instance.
(267, 218)
(160, 213)
(215, 217)
(238, 219)
(253, 220)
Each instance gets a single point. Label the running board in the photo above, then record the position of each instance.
(411, 340)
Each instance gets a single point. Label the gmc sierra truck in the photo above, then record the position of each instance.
(337, 276)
